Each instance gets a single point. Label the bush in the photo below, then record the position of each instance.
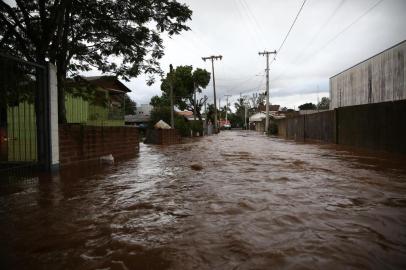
(182, 125)
(160, 113)
(196, 126)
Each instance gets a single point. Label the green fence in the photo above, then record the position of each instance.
(21, 133)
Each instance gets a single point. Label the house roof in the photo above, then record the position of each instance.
(111, 83)
(185, 113)
(258, 117)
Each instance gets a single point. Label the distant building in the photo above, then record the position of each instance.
(142, 115)
(257, 121)
(380, 78)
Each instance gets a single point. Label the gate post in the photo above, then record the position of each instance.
(53, 118)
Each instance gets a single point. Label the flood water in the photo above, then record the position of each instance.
(236, 200)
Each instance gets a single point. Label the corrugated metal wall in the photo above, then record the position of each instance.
(378, 79)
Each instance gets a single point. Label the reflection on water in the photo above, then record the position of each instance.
(234, 201)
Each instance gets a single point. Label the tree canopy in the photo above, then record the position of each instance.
(121, 37)
(324, 104)
(308, 106)
(91, 32)
(185, 82)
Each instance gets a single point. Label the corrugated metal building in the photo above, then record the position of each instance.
(378, 79)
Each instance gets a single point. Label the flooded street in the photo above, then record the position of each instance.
(234, 201)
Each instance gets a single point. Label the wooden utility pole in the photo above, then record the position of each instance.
(194, 101)
(246, 103)
(212, 58)
(227, 96)
(205, 109)
(219, 109)
(171, 94)
(267, 53)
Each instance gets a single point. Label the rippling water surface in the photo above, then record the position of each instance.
(256, 203)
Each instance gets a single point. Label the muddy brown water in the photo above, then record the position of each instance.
(253, 203)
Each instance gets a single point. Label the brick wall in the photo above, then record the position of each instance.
(163, 136)
(85, 143)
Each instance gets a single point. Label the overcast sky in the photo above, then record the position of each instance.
(328, 37)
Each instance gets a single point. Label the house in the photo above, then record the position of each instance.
(142, 115)
(257, 121)
(380, 78)
(97, 100)
(186, 114)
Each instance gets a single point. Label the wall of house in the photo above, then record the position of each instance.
(379, 126)
(80, 143)
(81, 111)
(378, 79)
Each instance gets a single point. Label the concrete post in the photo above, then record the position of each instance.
(53, 117)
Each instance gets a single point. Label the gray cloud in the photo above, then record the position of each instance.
(328, 37)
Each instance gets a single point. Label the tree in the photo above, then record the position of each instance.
(79, 35)
(210, 113)
(185, 82)
(160, 101)
(129, 105)
(239, 112)
(324, 104)
(308, 106)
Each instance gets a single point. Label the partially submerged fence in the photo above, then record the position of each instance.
(378, 126)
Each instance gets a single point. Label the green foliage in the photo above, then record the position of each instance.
(185, 81)
(183, 126)
(160, 101)
(17, 84)
(130, 105)
(92, 31)
(80, 35)
(210, 113)
(160, 113)
(308, 106)
(196, 126)
(324, 104)
(236, 120)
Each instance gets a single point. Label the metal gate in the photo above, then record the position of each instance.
(23, 92)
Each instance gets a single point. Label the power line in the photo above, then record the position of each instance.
(250, 14)
(350, 25)
(291, 27)
(321, 48)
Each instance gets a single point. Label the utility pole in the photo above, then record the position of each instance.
(267, 53)
(227, 96)
(205, 109)
(219, 109)
(194, 101)
(246, 103)
(212, 58)
(171, 94)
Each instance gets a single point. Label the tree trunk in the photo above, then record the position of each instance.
(61, 77)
